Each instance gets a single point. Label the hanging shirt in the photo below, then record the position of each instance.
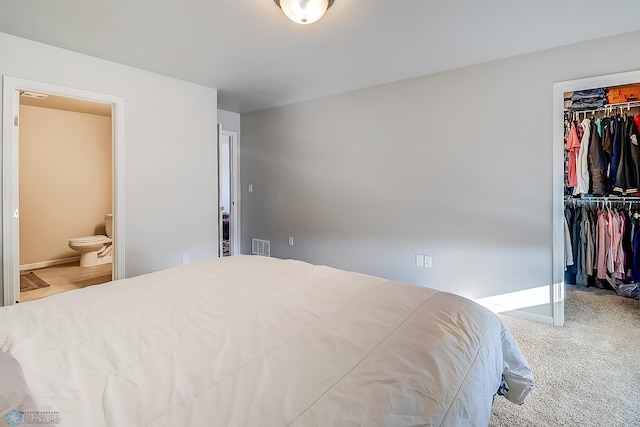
(572, 146)
(589, 246)
(568, 250)
(617, 231)
(601, 245)
(582, 162)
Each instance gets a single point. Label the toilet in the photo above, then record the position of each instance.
(95, 250)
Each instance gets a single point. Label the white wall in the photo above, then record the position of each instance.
(169, 149)
(455, 165)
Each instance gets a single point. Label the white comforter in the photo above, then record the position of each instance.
(253, 341)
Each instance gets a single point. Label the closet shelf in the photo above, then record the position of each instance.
(612, 107)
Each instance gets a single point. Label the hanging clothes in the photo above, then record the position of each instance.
(597, 162)
(602, 156)
(568, 250)
(602, 246)
(602, 159)
(572, 146)
(582, 161)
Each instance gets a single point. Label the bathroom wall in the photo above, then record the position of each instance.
(65, 180)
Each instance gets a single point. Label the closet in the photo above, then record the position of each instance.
(602, 188)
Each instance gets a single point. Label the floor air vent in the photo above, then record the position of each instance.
(260, 247)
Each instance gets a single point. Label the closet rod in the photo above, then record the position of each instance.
(602, 199)
(613, 107)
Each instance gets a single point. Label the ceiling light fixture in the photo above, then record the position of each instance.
(34, 95)
(304, 11)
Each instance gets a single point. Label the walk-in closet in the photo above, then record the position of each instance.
(602, 188)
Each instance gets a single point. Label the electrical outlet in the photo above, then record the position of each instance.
(290, 241)
(419, 260)
(427, 261)
(185, 258)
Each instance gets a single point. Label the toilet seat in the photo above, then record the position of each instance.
(90, 240)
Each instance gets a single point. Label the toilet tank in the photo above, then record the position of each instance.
(108, 224)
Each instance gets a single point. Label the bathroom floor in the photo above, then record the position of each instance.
(66, 277)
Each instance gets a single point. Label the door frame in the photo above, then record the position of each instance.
(10, 176)
(234, 193)
(559, 88)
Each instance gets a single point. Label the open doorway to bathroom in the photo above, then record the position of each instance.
(65, 194)
(61, 209)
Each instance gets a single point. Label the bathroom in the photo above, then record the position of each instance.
(65, 174)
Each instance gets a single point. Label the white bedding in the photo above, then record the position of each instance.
(254, 341)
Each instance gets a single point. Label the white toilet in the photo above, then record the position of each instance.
(95, 250)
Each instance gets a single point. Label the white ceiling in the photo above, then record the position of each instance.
(257, 58)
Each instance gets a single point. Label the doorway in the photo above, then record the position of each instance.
(559, 89)
(228, 200)
(65, 194)
(13, 89)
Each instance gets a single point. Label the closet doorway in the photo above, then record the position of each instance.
(558, 252)
(64, 100)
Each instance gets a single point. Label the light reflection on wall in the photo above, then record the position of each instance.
(517, 300)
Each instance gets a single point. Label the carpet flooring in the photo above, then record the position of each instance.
(587, 372)
(29, 282)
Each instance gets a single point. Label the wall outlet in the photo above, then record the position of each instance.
(419, 260)
(427, 261)
(290, 241)
(185, 258)
(250, 188)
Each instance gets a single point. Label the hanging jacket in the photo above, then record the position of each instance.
(597, 163)
(632, 137)
(626, 182)
(615, 151)
(607, 149)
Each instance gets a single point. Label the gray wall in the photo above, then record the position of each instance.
(169, 149)
(230, 121)
(455, 165)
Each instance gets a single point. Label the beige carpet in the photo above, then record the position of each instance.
(587, 372)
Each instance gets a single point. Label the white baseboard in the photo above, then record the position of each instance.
(529, 316)
(53, 262)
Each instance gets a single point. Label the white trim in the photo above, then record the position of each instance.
(10, 230)
(10, 224)
(218, 142)
(51, 263)
(557, 288)
(234, 174)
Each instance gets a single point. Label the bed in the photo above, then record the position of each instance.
(256, 341)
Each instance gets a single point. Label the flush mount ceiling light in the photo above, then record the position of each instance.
(304, 11)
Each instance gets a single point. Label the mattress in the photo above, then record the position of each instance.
(256, 341)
